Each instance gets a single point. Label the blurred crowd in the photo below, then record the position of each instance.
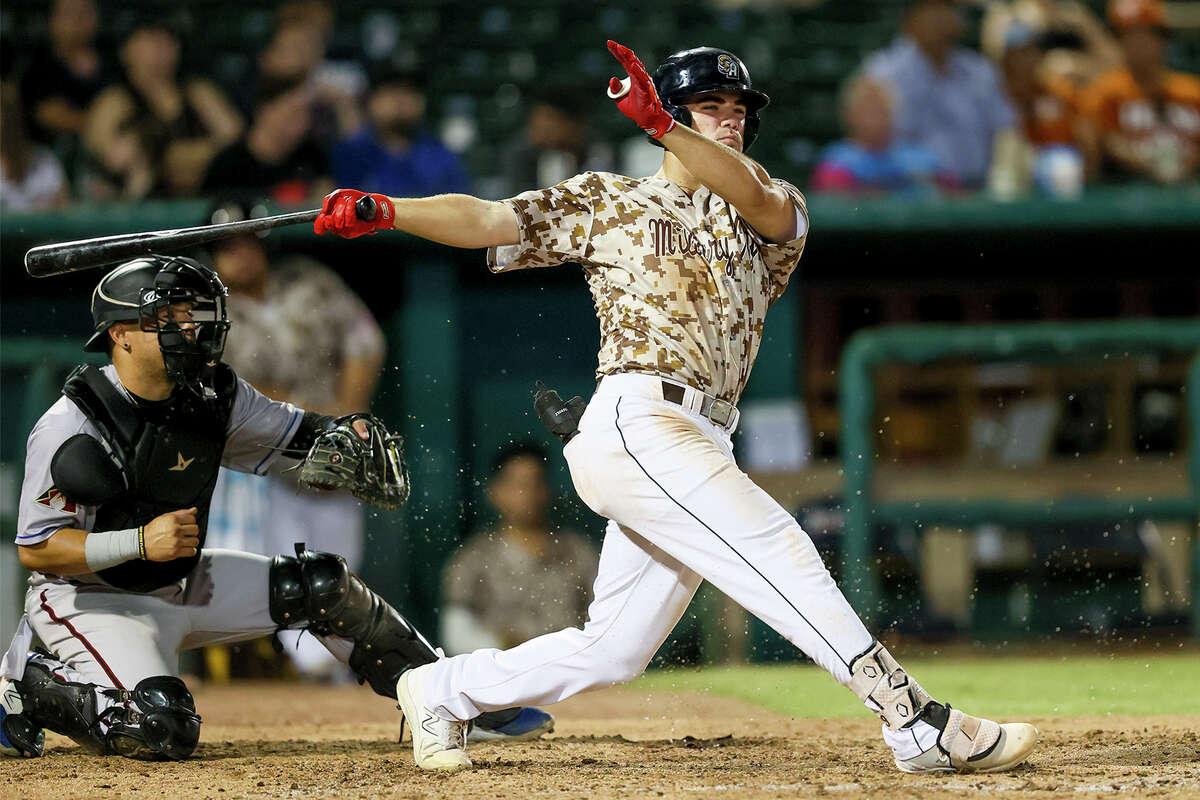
(1057, 98)
(82, 124)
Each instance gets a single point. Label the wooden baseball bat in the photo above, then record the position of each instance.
(59, 259)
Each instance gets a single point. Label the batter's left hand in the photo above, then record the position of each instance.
(636, 96)
(339, 214)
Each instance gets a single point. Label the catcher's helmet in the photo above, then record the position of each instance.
(707, 69)
(192, 339)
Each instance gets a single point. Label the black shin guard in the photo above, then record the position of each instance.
(156, 720)
(164, 725)
(320, 590)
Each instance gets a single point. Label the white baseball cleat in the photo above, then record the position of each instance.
(438, 744)
(973, 744)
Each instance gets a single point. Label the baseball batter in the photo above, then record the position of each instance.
(119, 475)
(683, 266)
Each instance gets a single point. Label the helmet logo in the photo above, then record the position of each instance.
(727, 66)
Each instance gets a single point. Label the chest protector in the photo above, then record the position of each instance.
(156, 459)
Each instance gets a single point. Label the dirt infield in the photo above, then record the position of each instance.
(288, 740)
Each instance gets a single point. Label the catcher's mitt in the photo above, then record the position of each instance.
(372, 469)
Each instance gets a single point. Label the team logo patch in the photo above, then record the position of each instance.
(53, 498)
(727, 66)
(182, 463)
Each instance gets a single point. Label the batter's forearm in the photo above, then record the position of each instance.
(734, 177)
(459, 220)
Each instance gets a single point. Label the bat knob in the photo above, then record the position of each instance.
(366, 208)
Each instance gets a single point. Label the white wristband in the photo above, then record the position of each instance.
(104, 549)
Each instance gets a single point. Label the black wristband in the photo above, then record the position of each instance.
(310, 425)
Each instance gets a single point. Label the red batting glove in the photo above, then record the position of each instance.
(339, 216)
(636, 96)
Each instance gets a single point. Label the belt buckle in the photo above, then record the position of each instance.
(721, 412)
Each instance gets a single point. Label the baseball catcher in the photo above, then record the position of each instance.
(119, 475)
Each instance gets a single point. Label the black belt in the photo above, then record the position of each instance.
(717, 411)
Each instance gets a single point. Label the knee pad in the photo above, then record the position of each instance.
(319, 591)
(165, 724)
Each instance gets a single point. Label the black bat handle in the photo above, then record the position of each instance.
(366, 208)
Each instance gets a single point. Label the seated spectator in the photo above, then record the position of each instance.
(1076, 45)
(151, 133)
(296, 54)
(395, 153)
(64, 75)
(31, 179)
(1048, 153)
(278, 155)
(301, 335)
(1143, 119)
(869, 161)
(949, 100)
(1045, 104)
(554, 568)
(554, 144)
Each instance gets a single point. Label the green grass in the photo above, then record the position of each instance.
(1004, 687)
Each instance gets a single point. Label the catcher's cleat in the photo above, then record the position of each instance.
(19, 735)
(971, 744)
(438, 744)
(522, 724)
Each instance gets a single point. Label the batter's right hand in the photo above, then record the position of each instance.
(636, 96)
(339, 215)
(173, 535)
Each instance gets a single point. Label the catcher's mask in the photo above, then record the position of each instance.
(707, 69)
(178, 298)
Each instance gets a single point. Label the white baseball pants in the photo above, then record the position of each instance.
(679, 511)
(116, 638)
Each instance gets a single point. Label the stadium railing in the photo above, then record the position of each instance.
(922, 344)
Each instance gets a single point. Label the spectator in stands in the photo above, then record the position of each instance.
(299, 334)
(151, 133)
(295, 55)
(395, 153)
(1076, 45)
(65, 74)
(949, 99)
(555, 567)
(1048, 152)
(869, 160)
(1143, 119)
(279, 155)
(554, 144)
(31, 179)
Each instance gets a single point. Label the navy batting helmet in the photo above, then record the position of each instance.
(707, 69)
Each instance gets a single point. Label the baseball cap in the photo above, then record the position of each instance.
(1019, 34)
(1126, 14)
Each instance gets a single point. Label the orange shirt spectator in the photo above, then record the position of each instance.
(1050, 118)
(1046, 104)
(1143, 118)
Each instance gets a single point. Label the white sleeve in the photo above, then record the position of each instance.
(258, 428)
(43, 509)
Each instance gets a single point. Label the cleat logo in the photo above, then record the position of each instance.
(182, 464)
(12, 700)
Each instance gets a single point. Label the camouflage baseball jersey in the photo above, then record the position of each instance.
(681, 284)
